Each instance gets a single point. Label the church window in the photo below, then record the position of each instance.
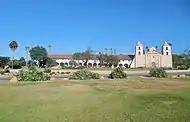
(166, 53)
(166, 48)
(139, 52)
(139, 48)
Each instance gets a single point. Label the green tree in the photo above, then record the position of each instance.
(50, 62)
(22, 61)
(187, 53)
(39, 54)
(177, 60)
(147, 48)
(87, 55)
(13, 46)
(77, 56)
(4, 61)
(73, 63)
(187, 57)
(31, 63)
(16, 64)
(102, 58)
(111, 60)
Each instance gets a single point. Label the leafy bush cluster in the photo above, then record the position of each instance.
(32, 75)
(84, 75)
(4, 71)
(158, 72)
(118, 73)
(182, 67)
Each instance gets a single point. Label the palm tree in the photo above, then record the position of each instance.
(13, 46)
(49, 48)
(106, 50)
(114, 51)
(111, 50)
(27, 48)
(146, 48)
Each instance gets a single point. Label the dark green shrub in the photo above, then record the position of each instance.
(158, 72)
(16, 64)
(182, 67)
(46, 70)
(6, 71)
(118, 73)
(2, 72)
(32, 75)
(84, 75)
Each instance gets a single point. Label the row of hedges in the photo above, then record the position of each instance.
(118, 73)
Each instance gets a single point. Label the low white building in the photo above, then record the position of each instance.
(124, 60)
(147, 59)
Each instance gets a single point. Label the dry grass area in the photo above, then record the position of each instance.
(131, 100)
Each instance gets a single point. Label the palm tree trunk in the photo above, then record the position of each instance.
(26, 58)
(12, 59)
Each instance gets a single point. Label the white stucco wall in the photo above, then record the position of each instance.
(139, 61)
(167, 61)
(123, 62)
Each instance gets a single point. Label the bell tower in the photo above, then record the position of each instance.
(166, 49)
(139, 49)
(167, 55)
(139, 56)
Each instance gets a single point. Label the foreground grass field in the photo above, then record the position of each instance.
(138, 100)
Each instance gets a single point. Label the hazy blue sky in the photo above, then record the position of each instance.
(74, 25)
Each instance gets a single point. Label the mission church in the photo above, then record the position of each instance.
(147, 59)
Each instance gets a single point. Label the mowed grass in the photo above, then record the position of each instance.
(132, 100)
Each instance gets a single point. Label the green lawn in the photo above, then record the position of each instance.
(139, 100)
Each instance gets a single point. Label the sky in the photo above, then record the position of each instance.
(74, 25)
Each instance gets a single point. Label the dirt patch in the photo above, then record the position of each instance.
(170, 100)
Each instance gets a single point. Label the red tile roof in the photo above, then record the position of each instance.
(69, 56)
(60, 56)
(123, 57)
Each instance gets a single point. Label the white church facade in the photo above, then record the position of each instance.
(145, 59)
(152, 58)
